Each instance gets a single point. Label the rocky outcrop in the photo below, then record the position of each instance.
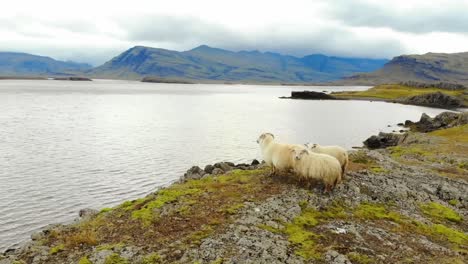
(443, 85)
(195, 172)
(442, 120)
(383, 140)
(72, 79)
(311, 95)
(437, 99)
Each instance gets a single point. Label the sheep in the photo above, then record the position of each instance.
(275, 154)
(315, 166)
(335, 151)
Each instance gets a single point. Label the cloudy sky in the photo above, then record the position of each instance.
(94, 31)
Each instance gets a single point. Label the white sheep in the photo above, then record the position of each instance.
(276, 155)
(335, 151)
(314, 166)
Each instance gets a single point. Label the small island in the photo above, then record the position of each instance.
(447, 96)
(72, 78)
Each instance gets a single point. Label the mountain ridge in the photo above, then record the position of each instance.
(22, 64)
(204, 63)
(428, 68)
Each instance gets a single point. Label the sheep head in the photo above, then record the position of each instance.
(265, 137)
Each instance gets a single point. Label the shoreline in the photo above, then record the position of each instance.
(208, 209)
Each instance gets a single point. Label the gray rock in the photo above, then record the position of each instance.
(87, 213)
(334, 257)
(217, 171)
(194, 173)
(383, 140)
(224, 166)
(209, 168)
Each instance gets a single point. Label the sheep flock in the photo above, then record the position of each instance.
(309, 162)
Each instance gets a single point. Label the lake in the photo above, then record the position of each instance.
(71, 145)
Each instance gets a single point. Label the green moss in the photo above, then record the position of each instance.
(146, 215)
(270, 228)
(439, 212)
(105, 210)
(56, 249)
(378, 169)
(444, 233)
(299, 234)
(413, 150)
(115, 259)
(458, 133)
(234, 208)
(84, 260)
(153, 258)
(376, 212)
(218, 261)
(453, 202)
(110, 246)
(18, 262)
(198, 236)
(357, 258)
(361, 157)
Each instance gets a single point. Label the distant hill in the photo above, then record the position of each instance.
(427, 68)
(23, 64)
(206, 63)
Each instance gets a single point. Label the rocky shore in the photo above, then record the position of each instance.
(405, 202)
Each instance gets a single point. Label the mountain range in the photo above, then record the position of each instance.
(27, 65)
(426, 68)
(206, 63)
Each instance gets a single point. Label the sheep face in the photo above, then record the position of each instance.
(311, 146)
(299, 153)
(264, 137)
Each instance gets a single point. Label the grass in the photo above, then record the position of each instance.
(115, 259)
(443, 151)
(457, 134)
(358, 258)
(56, 249)
(376, 212)
(393, 92)
(186, 212)
(84, 260)
(439, 212)
(152, 258)
(301, 235)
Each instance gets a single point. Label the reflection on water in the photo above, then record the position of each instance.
(69, 145)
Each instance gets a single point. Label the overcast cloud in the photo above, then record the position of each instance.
(95, 31)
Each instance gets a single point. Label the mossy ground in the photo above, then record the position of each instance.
(444, 151)
(186, 212)
(310, 241)
(359, 160)
(395, 91)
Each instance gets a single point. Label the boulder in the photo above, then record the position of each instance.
(194, 173)
(217, 171)
(442, 120)
(311, 95)
(224, 166)
(209, 168)
(255, 162)
(383, 140)
(87, 213)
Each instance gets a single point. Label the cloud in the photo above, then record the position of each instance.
(419, 17)
(95, 32)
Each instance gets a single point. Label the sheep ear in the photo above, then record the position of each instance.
(273, 136)
(304, 151)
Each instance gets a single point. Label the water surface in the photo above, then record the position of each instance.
(70, 145)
